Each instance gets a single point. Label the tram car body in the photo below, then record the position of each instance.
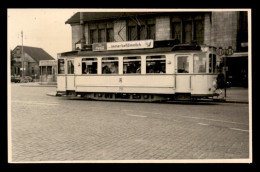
(167, 72)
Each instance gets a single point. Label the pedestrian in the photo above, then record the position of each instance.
(220, 82)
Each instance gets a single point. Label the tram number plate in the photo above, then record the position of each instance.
(121, 88)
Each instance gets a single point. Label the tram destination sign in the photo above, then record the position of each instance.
(127, 45)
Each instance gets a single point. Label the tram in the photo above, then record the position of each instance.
(144, 70)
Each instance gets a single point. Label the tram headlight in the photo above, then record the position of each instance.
(214, 83)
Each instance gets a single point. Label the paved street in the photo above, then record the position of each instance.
(46, 128)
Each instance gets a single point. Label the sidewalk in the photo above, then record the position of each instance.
(39, 84)
(235, 95)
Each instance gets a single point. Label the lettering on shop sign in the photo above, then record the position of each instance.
(123, 45)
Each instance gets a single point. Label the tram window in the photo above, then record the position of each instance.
(89, 66)
(61, 66)
(212, 63)
(155, 64)
(199, 63)
(110, 65)
(70, 65)
(183, 64)
(132, 65)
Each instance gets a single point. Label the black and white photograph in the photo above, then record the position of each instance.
(129, 85)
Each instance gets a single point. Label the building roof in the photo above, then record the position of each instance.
(91, 16)
(36, 53)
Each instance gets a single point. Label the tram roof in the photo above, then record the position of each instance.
(124, 52)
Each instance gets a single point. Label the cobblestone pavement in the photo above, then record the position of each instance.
(48, 128)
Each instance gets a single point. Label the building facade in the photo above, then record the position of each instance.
(48, 70)
(29, 64)
(219, 29)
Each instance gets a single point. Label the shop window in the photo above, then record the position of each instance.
(132, 65)
(70, 66)
(89, 66)
(110, 65)
(199, 63)
(183, 64)
(61, 66)
(155, 64)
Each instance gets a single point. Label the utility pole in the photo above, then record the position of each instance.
(225, 75)
(22, 56)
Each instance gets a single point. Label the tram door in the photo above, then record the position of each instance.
(182, 69)
(70, 77)
(61, 77)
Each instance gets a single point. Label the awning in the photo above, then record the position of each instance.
(239, 54)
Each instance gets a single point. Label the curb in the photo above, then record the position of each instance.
(234, 101)
(38, 85)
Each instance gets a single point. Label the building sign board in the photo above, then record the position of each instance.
(127, 45)
(99, 47)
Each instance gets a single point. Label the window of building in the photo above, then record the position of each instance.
(61, 66)
(132, 33)
(188, 30)
(17, 70)
(32, 70)
(155, 64)
(212, 63)
(101, 32)
(93, 36)
(199, 63)
(199, 31)
(44, 72)
(132, 65)
(141, 29)
(183, 64)
(142, 32)
(110, 65)
(101, 35)
(49, 70)
(110, 35)
(89, 66)
(70, 66)
(151, 31)
(176, 30)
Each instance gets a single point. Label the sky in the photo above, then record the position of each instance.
(42, 28)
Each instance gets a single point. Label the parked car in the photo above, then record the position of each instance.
(27, 79)
(15, 79)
